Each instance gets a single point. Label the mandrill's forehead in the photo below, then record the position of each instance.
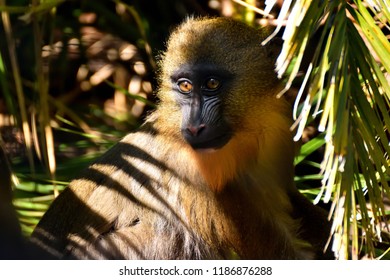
(214, 41)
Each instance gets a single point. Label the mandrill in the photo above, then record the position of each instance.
(209, 175)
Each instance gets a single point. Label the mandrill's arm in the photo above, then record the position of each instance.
(111, 209)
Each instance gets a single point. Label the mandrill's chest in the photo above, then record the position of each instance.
(180, 217)
(238, 222)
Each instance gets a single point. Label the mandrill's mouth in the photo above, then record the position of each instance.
(207, 141)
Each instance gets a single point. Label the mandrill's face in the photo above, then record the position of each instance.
(209, 64)
(199, 90)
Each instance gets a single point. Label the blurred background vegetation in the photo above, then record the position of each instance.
(76, 76)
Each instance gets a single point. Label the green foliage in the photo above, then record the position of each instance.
(347, 91)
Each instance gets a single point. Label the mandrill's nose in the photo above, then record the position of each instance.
(195, 129)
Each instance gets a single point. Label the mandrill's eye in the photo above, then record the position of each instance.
(184, 85)
(212, 84)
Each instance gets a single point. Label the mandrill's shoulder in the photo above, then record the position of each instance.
(145, 159)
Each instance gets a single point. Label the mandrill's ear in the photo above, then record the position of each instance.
(273, 47)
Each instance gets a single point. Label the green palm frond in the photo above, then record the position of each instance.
(347, 90)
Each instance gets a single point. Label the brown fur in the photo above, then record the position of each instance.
(153, 197)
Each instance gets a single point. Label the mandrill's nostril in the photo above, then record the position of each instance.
(195, 129)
